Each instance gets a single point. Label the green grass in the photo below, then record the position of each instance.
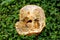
(9, 10)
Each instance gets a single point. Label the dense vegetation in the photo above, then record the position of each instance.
(9, 10)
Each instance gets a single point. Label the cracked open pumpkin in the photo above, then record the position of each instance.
(31, 20)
